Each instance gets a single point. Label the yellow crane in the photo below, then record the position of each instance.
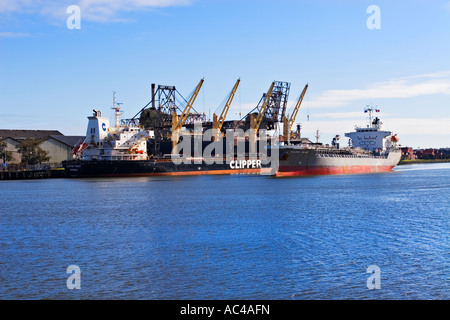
(287, 124)
(218, 122)
(257, 122)
(178, 122)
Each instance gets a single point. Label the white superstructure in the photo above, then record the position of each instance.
(118, 142)
(371, 137)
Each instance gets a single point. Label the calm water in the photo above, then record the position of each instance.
(228, 237)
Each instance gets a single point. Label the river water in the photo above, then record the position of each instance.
(229, 237)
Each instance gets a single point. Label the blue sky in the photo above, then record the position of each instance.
(52, 77)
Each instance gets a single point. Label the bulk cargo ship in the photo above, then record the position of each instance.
(370, 150)
(149, 146)
(121, 150)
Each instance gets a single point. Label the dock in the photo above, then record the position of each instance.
(32, 174)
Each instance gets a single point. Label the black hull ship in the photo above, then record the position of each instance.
(127, 148)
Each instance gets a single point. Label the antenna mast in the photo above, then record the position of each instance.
(116, 106)
(371, 109)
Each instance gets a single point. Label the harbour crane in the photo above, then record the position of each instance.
(257, 122)
(178, 122)
(287, 124)
(218, 122)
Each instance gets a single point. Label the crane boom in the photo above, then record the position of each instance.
(223, 115)
(296, 108)
(262, 111)
(187, 109)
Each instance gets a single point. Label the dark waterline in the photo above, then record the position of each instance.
(228, 237)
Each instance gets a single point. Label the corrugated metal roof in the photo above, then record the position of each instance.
(71, 141)
(28, 134)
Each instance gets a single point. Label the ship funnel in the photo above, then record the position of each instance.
(153, 96)
(98, 127)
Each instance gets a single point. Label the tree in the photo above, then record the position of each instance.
(4, 154)
(31, 153)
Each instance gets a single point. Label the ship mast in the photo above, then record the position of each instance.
(116, 106)
(371, 109)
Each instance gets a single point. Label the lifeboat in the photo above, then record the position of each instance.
(136, 151)
(395, 138)
(79, 147)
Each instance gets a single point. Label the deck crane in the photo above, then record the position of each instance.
(257, 122)
(178, 122)
(218, 122)
(287, 124)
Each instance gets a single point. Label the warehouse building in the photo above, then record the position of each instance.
(58, 146)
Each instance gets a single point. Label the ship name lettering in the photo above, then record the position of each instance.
(245, 164)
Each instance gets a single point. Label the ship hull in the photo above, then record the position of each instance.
(139, 168)
(310, 162)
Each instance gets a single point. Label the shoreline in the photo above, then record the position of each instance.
(416, 161)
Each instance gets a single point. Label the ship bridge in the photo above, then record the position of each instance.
(371, 137)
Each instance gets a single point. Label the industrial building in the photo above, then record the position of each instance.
(58, 146)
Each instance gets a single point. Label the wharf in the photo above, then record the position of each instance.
(416, 161)
(32, 174)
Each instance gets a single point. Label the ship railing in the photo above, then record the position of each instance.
(129, 122)
(121, 157)
(347, 153)
(168, 157)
